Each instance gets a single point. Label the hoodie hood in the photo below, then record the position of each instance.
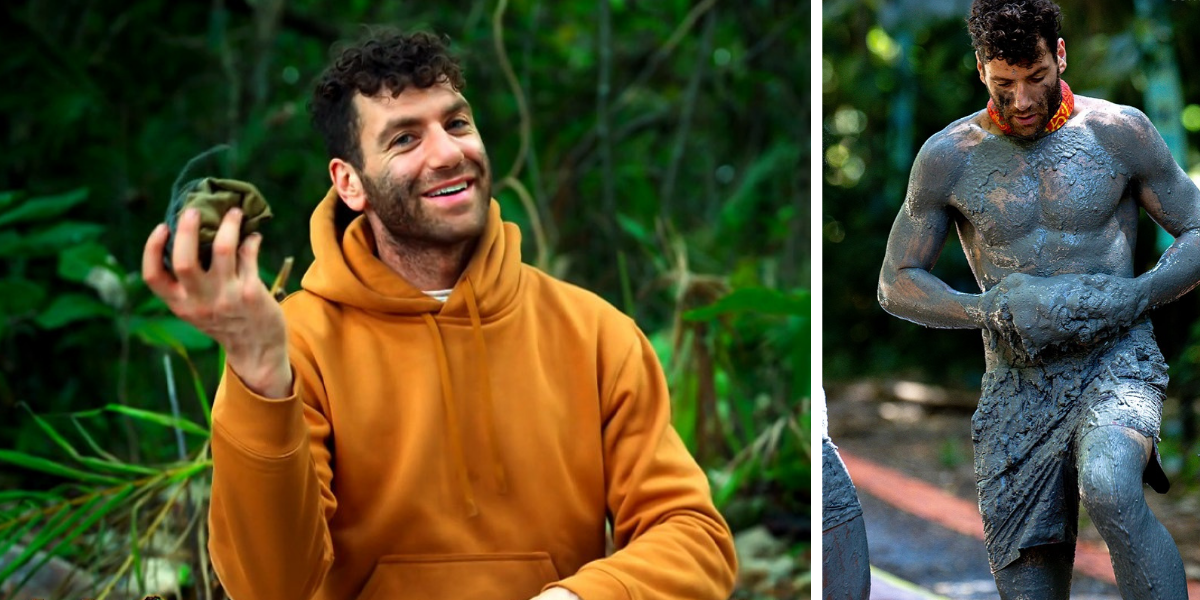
(347, 269)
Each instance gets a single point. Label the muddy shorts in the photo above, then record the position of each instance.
(1030, 421)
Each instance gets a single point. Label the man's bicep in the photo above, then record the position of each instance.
(923, 222)
(917, 236)
(1161, 187)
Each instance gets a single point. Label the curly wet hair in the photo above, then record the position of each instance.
(1010, 29)
(386, 60)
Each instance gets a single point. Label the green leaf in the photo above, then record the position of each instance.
(190, 472)
(76, 263)
(70, 308)
(169, 332)
(51, 432)
(37, 463)
(754, 300)
(13, 534)
(634, 229)
(112, 465)
(40, 209)
(91, 442)
(76, 525)
(152, 305)
(8, 197)
(739, 211)
(53, 239)
(7, 496)
(185, 575)
(19, 296)
(159, 419)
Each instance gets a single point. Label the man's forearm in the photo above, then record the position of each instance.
(1177, 270)
(916, 295)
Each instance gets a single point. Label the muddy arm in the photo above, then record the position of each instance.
(907, 289)
(1173, 201)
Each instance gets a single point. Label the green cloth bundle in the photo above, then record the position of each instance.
(214, 197)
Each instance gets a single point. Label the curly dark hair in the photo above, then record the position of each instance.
(386, 59)
(1010, 29)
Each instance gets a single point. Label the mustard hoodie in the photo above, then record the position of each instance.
(466, 450)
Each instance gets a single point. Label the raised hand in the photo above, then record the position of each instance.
(228, 302)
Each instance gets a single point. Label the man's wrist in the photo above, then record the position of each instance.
(1144, 291)
(987, 313)
(266, 372)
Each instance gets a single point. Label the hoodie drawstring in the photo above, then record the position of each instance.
(485, 382)
(456, 440)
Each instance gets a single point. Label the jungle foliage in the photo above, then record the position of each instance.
(655, 152)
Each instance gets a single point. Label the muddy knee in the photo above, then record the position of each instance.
(1111, 462)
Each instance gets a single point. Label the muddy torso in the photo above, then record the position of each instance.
(1058, 204)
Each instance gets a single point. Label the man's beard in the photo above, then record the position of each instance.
(1047, 106)
(402, 210)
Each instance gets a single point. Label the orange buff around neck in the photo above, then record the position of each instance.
(1065, 108)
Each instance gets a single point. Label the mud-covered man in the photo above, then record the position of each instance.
(1044, 189)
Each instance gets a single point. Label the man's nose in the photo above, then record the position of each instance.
(1024, 97)
(444, 151)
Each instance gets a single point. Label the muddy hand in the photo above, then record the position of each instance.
(1121, 299)
(1071, 308)
(228, 302)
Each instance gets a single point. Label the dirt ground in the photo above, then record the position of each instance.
(925, 432)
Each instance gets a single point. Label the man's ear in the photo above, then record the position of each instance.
(1062, 56)
(348, 183)
(979, 67)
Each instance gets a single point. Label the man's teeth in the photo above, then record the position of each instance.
(454, 189)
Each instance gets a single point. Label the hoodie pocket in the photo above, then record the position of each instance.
(509, 576)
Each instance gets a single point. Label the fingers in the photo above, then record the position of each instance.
(225, 245)
(247, 267)
(184, 256)
(153, 272)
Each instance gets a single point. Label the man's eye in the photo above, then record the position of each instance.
(1037, 79)
(458, 123)
(1004, 84)
(403, 140)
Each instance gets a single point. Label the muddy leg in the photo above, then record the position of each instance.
(1145, 558)
(845, 566)
(1042, 573)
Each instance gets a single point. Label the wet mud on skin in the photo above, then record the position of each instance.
(1057, 205)
(1049, 228)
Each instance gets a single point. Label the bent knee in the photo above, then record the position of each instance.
(1108, 487)
(1105, 496)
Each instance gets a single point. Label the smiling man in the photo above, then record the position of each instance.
(1044, 189)
(429, 417)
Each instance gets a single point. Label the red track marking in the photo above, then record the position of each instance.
(932, 504)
